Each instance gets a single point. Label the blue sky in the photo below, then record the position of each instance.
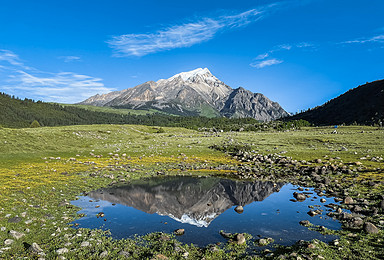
(299, 53)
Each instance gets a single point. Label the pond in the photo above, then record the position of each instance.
(204, 206)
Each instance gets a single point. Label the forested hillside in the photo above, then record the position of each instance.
(362, 105)
(21, 113)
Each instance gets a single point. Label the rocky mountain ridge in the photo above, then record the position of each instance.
(196, 92)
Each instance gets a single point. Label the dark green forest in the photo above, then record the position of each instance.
(363, 105)
(20, 113)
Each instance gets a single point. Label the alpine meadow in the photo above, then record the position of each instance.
(191, 130)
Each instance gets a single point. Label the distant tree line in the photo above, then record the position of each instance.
(20, 113)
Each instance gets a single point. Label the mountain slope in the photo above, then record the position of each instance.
(244, 103)
(196, 92)
(362, 105)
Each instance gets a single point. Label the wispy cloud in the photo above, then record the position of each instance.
(69, 58)
(373, 39)
(261, 61)
(10, 57)
(63, 87)
(265, 63)
(184, 35)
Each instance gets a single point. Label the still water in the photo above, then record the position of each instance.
(203, 207)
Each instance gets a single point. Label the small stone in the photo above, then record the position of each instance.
(161, 257)
(240, 239)
(311, 246)
(381, 205)
(103, 254)
(3, 229)
(179, 232)
(348, 200)
(262, 242)
(299, 196)
(225, 234)
(370, 228)
(35, 248)
(305, 223)
(239, 209)
(16, 235)
(322, 200)
(62, 251)
(8, 242)
(312, 213)
(14, 220)
(85, 244)
(124, 254)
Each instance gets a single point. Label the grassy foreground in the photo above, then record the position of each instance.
(42, 169)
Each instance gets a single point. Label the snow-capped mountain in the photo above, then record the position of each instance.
(196, 92)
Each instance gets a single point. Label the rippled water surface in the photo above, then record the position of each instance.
(203, 207)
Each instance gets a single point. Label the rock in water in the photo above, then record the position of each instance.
(239, 239)
(299, 196)
(225, 234)
(239, 209)
(179, 232)
(305, 223)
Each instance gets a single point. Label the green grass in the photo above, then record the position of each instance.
(122, 111)
(29, 178)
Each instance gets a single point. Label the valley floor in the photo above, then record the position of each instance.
(43, 169)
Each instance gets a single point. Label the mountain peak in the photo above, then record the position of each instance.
(193, 73)
(195, 92)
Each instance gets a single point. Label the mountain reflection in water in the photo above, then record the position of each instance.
(196, 201)
(203, 207)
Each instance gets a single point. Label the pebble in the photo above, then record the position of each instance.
(124, 254)
(85, 244)
(299, 196)
(36, 248)
(179, 232)
(240, 239)
(62, 251)
(8, 242)
(239, 209)
(348, 200)
(305, 223)
(16, 235)
(14, 220)
(370, 228)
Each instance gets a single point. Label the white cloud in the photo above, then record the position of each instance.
(70, 58)
(377, 38)
(262, 56)
(179, 36)
(63, 87)
(10, 57)
(260, 61)
(265, 63)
